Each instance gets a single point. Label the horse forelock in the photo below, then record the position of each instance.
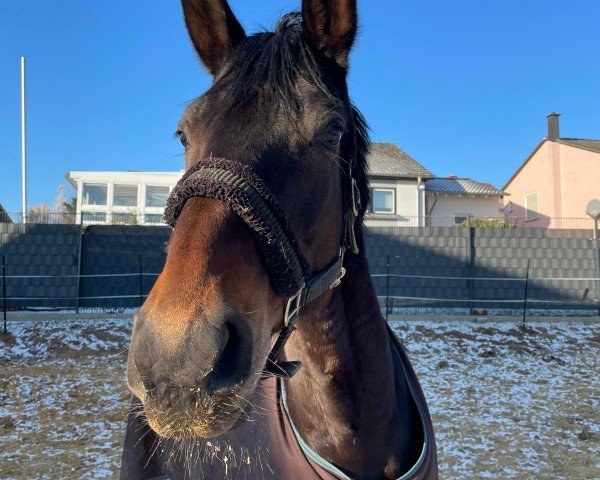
(267, 67)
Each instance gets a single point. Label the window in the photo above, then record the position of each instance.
(383, 200)
(154, 219)
(125, 196)
(156, 196)
(94, 193)
(459, 219)
(94, 216)
(532, 206)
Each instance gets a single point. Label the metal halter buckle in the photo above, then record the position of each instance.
(355, 197)
(338, 280)
(292, 308)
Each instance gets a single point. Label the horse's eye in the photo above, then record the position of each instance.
(182, 138)
(333, 135)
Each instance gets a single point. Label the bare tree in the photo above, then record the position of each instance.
(42, 213)
(62, 211)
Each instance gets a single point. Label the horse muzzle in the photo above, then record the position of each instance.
(190, 388)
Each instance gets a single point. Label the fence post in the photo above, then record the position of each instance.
(4, 290)
(141, 283)
(525, 299)
(387, 290)
(470, 260)
(79, 260)
(597, 255)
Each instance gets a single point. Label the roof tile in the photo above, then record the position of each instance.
(593, 145)
(464, 186)
(387, 160)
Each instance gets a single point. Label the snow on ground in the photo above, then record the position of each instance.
(63, 399)
(506, 403)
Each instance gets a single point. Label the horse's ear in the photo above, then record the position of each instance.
(214, 31)
(330, 27)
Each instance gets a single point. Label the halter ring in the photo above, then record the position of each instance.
(292, 308)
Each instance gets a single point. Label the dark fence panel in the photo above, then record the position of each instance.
(109, 249)
(427, 266)
(415, 253)
(569, 259)
(484, 267)
(41, 264)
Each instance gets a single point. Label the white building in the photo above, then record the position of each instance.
(403, 193)
(122, 197)
(452, 200)
(397, 187)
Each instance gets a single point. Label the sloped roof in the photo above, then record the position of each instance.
(592, 145)
(387, 160)
(464, 186)
(4, 217)
(584, 144)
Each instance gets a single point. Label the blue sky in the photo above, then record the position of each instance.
(462, 86)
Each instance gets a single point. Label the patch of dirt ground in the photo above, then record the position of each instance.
(505, 403)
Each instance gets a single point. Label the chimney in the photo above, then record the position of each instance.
(553, 133)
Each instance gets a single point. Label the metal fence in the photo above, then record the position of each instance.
(134, 287)
(442, 270)
(84, 218)
(466, 221)
(466, 295)
(460, 221)
(390, 286)
(421, 270)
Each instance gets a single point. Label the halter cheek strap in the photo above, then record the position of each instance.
(327, 279)
(249, 197)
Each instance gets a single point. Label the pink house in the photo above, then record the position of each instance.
(553, 186)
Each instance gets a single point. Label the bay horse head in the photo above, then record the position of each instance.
(277, 123)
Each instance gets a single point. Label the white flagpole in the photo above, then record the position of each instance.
(23, 144)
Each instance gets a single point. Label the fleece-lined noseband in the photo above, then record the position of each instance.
(244, 192)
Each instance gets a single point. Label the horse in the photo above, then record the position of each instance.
(261, 351)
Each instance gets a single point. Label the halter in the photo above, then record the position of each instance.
(249, 197)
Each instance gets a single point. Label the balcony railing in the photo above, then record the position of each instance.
(582, 223)
(85, 218)
(155, 219)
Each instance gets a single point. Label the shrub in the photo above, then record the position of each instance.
(485, 223)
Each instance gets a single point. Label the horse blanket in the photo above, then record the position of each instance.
(266, 447)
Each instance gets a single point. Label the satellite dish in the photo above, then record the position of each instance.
(593, 209)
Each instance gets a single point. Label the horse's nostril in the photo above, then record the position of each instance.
(227, 359)
(149, 385)
(234, 361)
